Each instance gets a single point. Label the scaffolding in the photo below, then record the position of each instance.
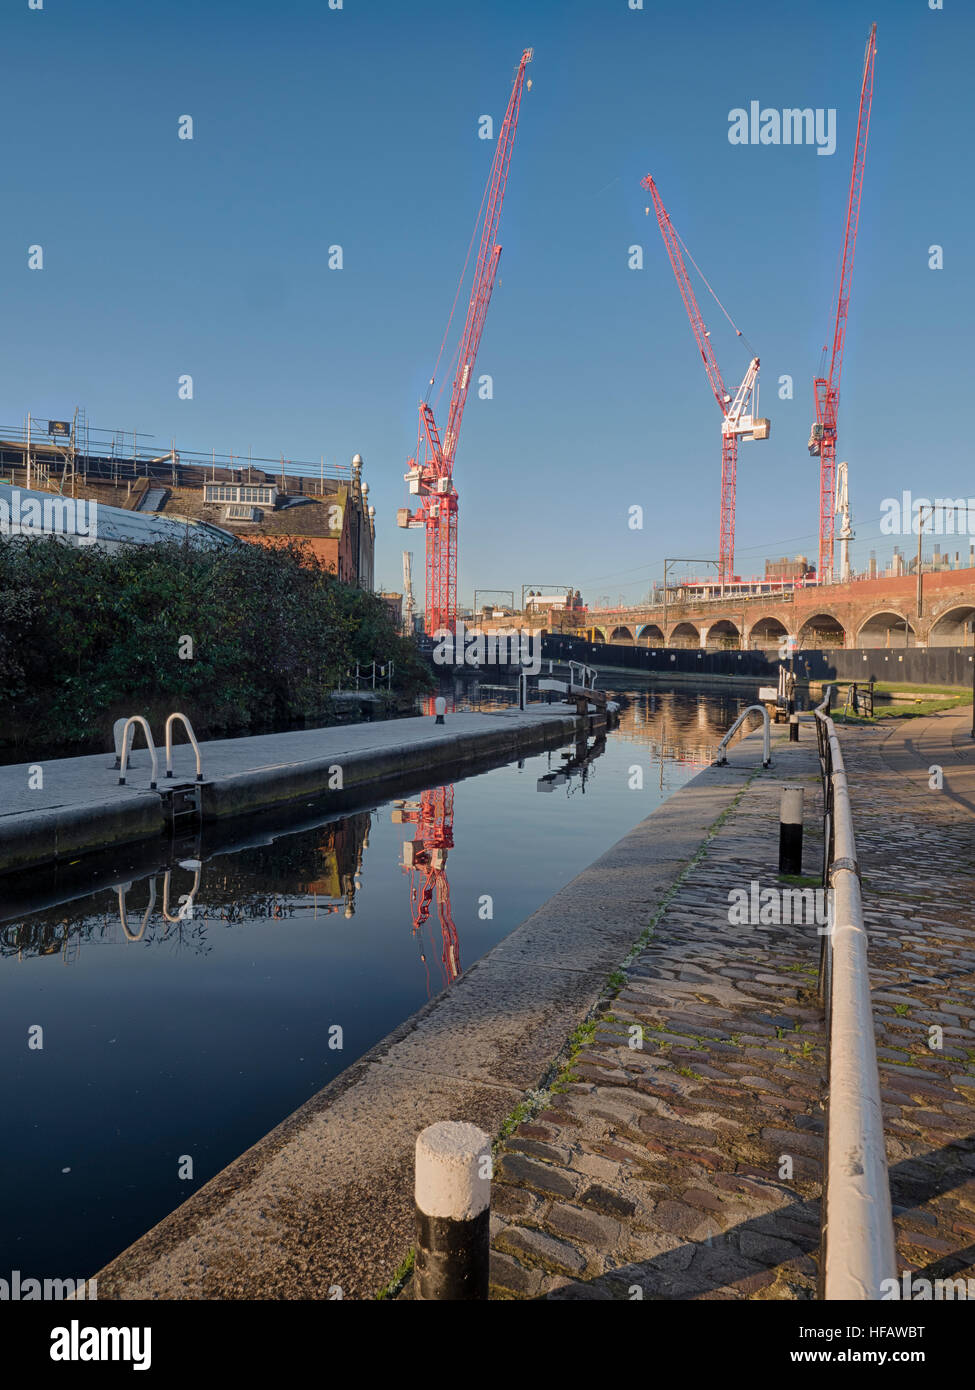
(55, 455)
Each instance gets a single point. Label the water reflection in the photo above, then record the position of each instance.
(425, 860)
(681, 726)
(320, 871)
(317, 873)
(230, 958)
(576, 766)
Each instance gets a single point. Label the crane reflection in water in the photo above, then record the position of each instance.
(425, 860)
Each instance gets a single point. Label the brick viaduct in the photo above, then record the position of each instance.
(863, 614)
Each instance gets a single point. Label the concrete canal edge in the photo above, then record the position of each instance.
(258, 790)
(88, 820)
(56, 834)
(324, 1203)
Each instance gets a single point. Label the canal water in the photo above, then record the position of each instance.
(186, 1015)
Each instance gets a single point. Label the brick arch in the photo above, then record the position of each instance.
(952, 628)
(723, 633)
(767, 631)
(886, 628)
(822, 630)
(684, 634)
(621, 634)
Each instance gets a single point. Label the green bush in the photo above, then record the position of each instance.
(88, 635)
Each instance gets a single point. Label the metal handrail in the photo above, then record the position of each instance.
(859, 1252)
(587, 675)
(722, 748)
(169, 744)
(138, 719)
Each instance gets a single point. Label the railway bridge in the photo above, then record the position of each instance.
(862, 614)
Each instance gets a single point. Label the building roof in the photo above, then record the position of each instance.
(73, 518)
(298, 514)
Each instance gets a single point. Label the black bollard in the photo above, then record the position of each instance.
(453, 1213)
(790, 831)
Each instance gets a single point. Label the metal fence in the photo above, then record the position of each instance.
(858, 1251)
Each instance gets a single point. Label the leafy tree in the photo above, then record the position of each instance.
(88, 635)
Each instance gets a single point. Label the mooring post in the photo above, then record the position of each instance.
(790, 831)
(453, 1213)
(793, 728)
(440, 706)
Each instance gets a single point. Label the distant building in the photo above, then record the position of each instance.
(253, 501)
(394, 603)
(799, 568)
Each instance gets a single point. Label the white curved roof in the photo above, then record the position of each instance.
(27, 512)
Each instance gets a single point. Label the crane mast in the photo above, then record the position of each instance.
(842, 509)
(737, 420)
(822, 439)
(409, 603)
(430, 472)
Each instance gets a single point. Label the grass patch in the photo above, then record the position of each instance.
(918, 708)
(398, 1279)
(522, 1111)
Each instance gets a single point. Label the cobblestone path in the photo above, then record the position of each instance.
(689, 1167)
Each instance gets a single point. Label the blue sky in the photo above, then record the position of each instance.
(359, 127)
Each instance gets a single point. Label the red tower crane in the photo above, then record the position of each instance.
(430, 471)
(822, 438)
(736, 423)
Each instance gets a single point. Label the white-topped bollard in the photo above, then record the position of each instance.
(790, 831)
(453, 1212)
(440, 706)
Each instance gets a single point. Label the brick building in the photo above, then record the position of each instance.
(254, 501)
